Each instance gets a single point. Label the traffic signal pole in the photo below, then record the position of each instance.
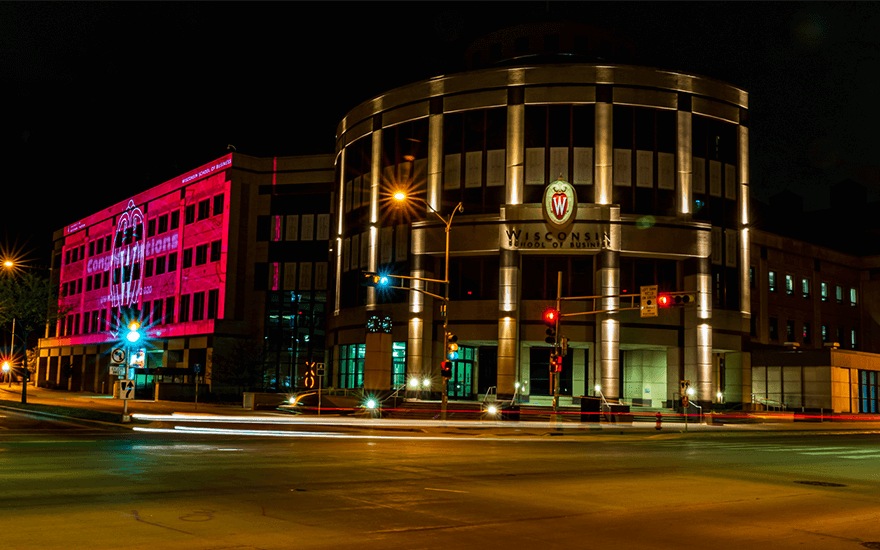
(555, 375)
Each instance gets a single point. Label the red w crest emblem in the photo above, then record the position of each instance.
(559, 202)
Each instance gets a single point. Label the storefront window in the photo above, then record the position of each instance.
(351, 366)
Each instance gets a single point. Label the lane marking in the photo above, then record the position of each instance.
(445, 490)
(861, 457)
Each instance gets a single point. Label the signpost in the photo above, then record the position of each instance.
(126, 392)
(319, 369)
(197, 367)
(648, 301)
(117, 355)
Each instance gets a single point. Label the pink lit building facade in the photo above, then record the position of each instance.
(203, 261)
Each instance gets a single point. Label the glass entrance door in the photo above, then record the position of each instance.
(460, 386)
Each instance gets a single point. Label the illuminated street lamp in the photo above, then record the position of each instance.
(400, 196)
(6, 369)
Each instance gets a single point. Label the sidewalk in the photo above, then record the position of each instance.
(10, 398)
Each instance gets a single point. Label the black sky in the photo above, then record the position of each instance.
(104, 100)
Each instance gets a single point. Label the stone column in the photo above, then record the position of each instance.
(684, 197)
(508, 323)
(516, 118)
(419, 341)
(698, 330)
(604, 157)
(607, 326)
(375, 180)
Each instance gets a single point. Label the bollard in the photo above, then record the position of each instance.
(659, 421)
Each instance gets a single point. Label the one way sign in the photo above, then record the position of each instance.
(126, 389)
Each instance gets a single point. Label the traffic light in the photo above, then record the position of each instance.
(374, 279)
(551, 318)
(451, 346)
(676, 299)
(563, 346)
(555, 363)
(446, 369)
(133, 334)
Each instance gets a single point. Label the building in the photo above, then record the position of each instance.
(212, 263)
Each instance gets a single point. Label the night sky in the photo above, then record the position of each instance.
(103, 101)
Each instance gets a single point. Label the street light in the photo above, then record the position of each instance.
(400, 196)
(6, 370)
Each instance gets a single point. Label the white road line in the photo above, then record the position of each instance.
(861, 457)
(445, 490)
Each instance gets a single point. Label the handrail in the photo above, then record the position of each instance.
(778, 405)
(485, 397)
(396, 392)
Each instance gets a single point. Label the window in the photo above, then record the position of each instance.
(107, 242)
(146, 314)
(151, 228)
(163, 223)
(99, 248)
(88, 284)
(106, 279)
(204, 209)
(67, 257)
(187, 258)
(852, 296)
(92, 248)
(198, 312)
(183, 314)
(852, 338)
(215, 251)
(63, 290)
(807, 333)
(126, 273)
(189, 215)
(73, 256)
(218, 204)
(169, 310)
(774, 328)
(789, 285)
(869, 391)
(79, 286)
(398, 365)
(823, 291)
(772, 279)
(752, 277)
(86, 320)
(97, 280)
(136, 272)
(172, 261)
(824, 333)
(351, 366)
(213, 298)
(157, 312)
(82, 252)
(114, 317)
(175, 219)
(838, 293)
(789, 331)
(805, 287)
(202, 254)
(148, 268)
(138, 232)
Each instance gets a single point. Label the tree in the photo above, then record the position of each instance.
(25, 300)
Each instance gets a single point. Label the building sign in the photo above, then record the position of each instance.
(127, 252)
(560, 204)
(537, 236)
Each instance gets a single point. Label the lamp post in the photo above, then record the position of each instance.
(447, 222)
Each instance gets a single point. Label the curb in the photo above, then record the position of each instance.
(71, 419)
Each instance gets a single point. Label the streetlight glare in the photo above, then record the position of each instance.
(7, 263)
(400, 195)
(597, 387)
(5, 366)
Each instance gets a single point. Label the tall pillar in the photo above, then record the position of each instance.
(684, 157)
(698, 330)
(508, 323)
(340, 213)
(744, 241)
(607, 325)
(516, 119)
(419, 344)
(375, 180)
(435, 154)
(604, 157)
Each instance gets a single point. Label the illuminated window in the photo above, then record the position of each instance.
(160, 265)
(823, 291)
(215, 251)
(789, 285)
(852, 296)
(189, 215)
(163, 224)
(151, 228)
(398, 364)
(774, 328)
(202, 254)
(805, 287)
(213, 300)
(204, 209)
(198, 312)
(175, 219)
(172, 261)
(218, 204)
(187, 258)
(183, 314)
(852, 338)
(351, 366)
(148, 268)
(771, 277)
(838, 293)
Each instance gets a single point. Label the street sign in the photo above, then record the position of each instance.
(320, 369)
(126, 389)
(117, 369)
(117, 355)
(648, 301)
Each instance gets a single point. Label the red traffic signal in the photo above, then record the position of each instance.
(446, 369)
(551, 316)
(663, 300)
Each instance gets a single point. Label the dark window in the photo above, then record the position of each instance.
(100, 246)
(79, 286)
(67, 259)
(136, 272)
(82, 252)
(169, 310)
(264, 228)
(213, 299)
(215, 251)
(218, 204)
(148, 268)
(157, 312)
(774, 328)
(114, 318)
(92, 248)
(147, 312)
(138, 232)
(204, 209)
(106, 279)
(163, 223)
(108, 240)
(97, 280)
(175, 219)
(753, 326)
(789, 331)
(189, 217)
(172, 261)
(74, 255)
(807, 332)
(64, 290)
(202, 254)
(187, 258)
(160, 265)
(183, 314)
(198, 312)
(261, 276)
(88, 284)
(151, 228)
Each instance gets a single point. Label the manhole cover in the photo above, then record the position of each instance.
(873, 545)
(823, 484)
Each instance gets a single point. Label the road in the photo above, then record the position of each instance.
(86, 489)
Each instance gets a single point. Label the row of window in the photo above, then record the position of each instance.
(838, 334)
(805, 287)
(155, 226)
(195, 307)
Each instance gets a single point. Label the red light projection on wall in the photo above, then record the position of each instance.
(127, 258)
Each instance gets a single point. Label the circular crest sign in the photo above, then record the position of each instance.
(560, 204)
